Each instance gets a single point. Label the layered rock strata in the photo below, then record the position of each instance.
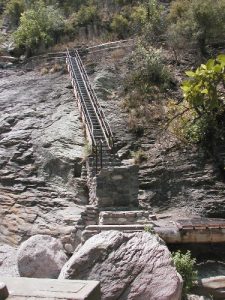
(41, 141)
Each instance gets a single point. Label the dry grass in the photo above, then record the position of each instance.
(44, 71)
(139, 156)
(135, 124)
(53, 68)
(118, 54)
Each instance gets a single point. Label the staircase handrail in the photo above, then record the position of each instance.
(82, 102)
(93, 98)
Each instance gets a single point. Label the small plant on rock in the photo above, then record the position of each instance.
(139, 156)
(185, 266)
(149, 229)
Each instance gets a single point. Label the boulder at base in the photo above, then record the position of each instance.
(41, 256)
(128, 265)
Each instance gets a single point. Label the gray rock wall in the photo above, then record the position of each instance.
(41, 145)
(181, 176)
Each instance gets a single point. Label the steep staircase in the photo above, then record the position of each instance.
(98, 131)
(113, 185)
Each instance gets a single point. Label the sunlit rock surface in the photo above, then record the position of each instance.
(128, 265)
(41, 141)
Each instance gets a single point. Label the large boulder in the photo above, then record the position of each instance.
(128, 265)
(41, 256)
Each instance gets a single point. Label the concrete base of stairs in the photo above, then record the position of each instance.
(30, 288)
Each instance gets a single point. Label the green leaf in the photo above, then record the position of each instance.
(185, 88)
(217, 68)
(221, 58)
(190, 74)
(205, 91)
(203, 67)
(210, 63)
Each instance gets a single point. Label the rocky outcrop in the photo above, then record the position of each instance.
(181, 176)
(129, 266)
(41, 256)
(41, 144)
(175, 176)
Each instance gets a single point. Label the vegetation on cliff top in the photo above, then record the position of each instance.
(38, 24)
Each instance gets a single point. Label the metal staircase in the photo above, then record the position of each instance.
(97, 129)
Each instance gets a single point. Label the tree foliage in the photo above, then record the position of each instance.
(120, 25)
(204, 90)
(14, 9)
(155, 23)
(86, 15)
(39, 26)
(196, 23)
(201, 114)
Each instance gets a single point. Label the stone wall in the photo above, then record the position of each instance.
(124, 217)
(89, 216)
(115, 187)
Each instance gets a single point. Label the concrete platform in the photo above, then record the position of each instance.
(38, 289)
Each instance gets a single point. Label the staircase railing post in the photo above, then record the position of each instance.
(96, 159)
(101, 152)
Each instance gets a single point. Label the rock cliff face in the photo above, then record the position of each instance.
(41, 140)
(175, 176)
(182, 177)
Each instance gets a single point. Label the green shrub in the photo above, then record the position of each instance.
(149, 69)
(200, 117)
(149, 229)
(87, 15)
(120, 26)
(155, 24)
(69, 6)
(40, 26)
(185, 266)
(196, 23)
(124, 2)
(84, 16)
(138, 18)
(185, 123)
(14, 9)
(142, 17)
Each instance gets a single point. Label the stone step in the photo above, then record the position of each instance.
(125, 217)
(51, 289)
